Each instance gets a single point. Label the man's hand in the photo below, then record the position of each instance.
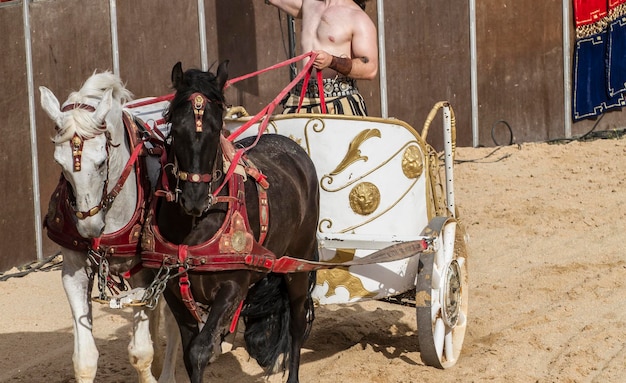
(341, 65)
(322, 60)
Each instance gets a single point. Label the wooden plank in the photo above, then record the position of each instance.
(427, 47)
(153, 35)
(70, 40)
(17, 230)
(253, 38)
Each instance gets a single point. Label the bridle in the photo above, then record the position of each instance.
(76, 145)
(198, 105)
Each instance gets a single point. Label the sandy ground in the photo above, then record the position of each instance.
(547, 289)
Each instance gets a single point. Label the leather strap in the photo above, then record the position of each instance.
(185, 286)
(264, 213)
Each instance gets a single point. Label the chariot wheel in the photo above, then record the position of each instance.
(442, 297)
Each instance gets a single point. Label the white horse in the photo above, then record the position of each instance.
(94, 151)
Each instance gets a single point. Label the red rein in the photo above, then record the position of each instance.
(269, 109)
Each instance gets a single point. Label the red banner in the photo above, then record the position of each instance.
(591, 11)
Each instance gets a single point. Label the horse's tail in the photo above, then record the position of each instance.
(266, 316)
(309, 306)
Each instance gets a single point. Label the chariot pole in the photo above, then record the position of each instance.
(291, 31)
(204, 56)
(115, 51)
(382, 59)
(33, 129)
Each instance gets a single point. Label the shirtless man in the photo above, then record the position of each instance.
(345, 40)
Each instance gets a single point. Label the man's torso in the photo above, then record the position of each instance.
(329, 28)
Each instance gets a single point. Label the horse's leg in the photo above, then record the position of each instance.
(141, 348)
(228, 343)
(187, 325)
(172, 336)
(155, 323)
(146, 355)
(298, 292)
(78, 282)
(206, 347)
(164, 363)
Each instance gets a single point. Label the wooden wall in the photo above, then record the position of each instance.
(428, 61)
(16, 209)
(63, 58)
(519, 73)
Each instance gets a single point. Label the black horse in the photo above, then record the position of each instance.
(221, 229)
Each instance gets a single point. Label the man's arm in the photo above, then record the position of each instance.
(364, 49)
(292, 7)
(364, 62)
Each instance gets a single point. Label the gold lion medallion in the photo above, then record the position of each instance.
(364, 198)
(412, 163)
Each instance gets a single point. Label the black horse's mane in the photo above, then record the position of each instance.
(195, 80)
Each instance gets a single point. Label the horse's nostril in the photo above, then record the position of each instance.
(188, 207)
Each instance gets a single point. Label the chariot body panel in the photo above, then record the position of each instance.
(377, 188)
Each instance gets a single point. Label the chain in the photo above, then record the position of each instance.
(153, 292)
(103, 273)
(105, 279)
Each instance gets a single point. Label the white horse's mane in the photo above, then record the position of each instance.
(80, 121)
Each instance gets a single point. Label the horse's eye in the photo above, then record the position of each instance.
(100, 165)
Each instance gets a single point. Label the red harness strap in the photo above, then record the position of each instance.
(233, 324)
(237, 157)
(320, 88)
(183, 283)
(231, 248)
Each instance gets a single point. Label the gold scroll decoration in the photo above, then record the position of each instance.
(354, 153)
(342, 277)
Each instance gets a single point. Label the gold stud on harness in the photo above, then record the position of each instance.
(198, 102)
(77, 151)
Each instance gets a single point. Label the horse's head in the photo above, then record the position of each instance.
(196, 117)
(89, 129)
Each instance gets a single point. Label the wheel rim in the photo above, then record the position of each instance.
(442, 316)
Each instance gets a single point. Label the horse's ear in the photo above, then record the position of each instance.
(50, 105)
(104, 107)
(222, 74)
(177, 75)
